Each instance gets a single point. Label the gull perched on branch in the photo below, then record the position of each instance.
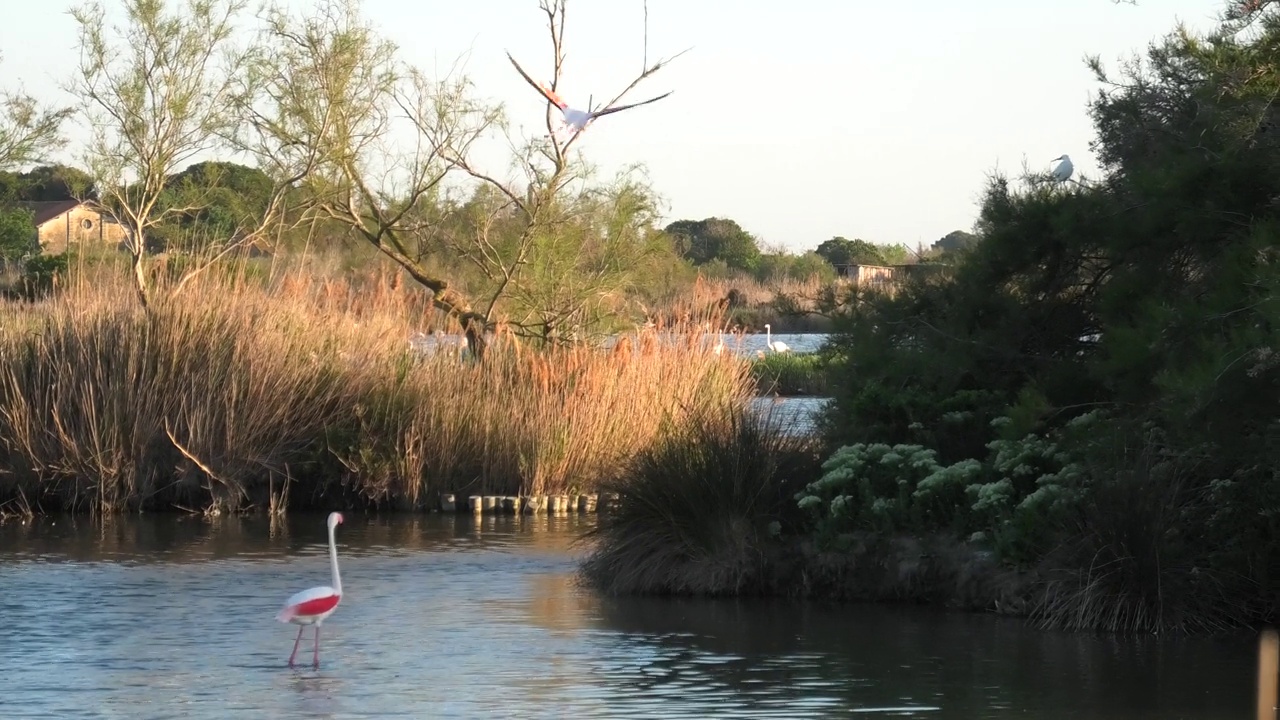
(574, 118)
(1062, 173)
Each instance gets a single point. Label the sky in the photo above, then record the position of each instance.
(801, 120)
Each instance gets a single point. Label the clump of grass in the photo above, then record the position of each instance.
(697, 512)
(790, 374)
(215, 399)
(1135, 559)
(545, 422)
(105, 407)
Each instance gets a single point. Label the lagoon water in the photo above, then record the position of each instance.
(747, 344)
(451, 617)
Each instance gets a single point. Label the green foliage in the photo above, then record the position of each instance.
(791, 373)
(1145, 303)
(776, 266)
(704, 241)
(1146, 547)
(884, 488)
(955, 241)
(17, 235)
(42, 272)
(842, 251)
(1009, 499)
(46, 183)
(212, 201)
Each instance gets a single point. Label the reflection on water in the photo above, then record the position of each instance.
(790, 415)
(456, 618)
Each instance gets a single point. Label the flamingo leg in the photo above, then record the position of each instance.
(316, 657)
(295, 646)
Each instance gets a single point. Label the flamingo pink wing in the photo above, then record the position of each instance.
(316, 601)
(541, 88)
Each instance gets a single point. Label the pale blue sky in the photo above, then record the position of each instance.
(800, 119)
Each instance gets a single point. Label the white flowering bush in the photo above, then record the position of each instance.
(1029, 480)
(881, 487)
(1008, 498)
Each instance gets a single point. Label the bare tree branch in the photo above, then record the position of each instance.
(328, 95)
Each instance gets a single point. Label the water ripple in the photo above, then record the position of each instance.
(451, 617)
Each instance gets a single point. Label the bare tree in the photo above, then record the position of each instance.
(374, 143)
(329, 98)
(558, 291)
(28, 130)
(155, 99)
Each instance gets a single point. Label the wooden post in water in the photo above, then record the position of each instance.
(448, 502)
(1268, 674)
(491, 503)
(611, 501)
(511, 505)
(477, 504)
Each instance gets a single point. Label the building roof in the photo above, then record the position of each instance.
(46, 210)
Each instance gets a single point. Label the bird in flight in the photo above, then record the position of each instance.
(574, 118)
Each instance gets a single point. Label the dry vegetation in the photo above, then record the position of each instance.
(700, 509)
(281, 388)
(746, 304)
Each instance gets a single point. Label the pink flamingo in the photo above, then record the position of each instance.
(311, 607)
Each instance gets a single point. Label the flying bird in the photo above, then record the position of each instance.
(1062, 173)
(311, 607)
(574, 118)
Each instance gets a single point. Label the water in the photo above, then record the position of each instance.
(447, 617)
(747, 344)
(791, 415)
(750, 343)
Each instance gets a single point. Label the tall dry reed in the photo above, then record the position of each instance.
(746, 303)
(241, 386)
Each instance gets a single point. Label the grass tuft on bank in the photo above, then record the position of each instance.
(699, 509)
(791, 374)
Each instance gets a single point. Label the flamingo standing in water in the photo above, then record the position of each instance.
(311, 607)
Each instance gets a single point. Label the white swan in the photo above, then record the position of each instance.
(778, 346)
(719, 346)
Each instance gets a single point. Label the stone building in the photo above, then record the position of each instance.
(60, 223)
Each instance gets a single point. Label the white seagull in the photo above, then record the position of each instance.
(574, 118)
(1062, 173)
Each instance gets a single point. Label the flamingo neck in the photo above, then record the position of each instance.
(333, 562)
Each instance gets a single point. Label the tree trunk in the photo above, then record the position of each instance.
(474, 324)
(140, 282)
